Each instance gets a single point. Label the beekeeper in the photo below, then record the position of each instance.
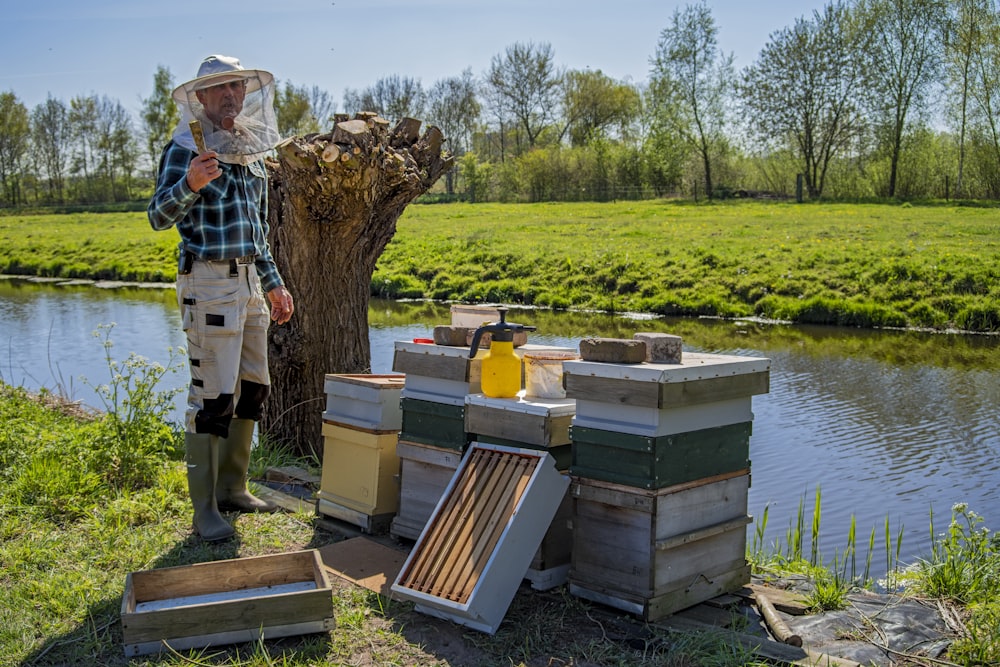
(216, 197)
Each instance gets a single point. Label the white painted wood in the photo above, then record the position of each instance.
(653, 423)
(225, 596)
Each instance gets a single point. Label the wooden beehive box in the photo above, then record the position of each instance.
(359, 483)
(437, 372)
(648, 462)
(655, 399)
(364, 401)
(439, 424)
(425, 472)
(226, 602)
(652, 553)
(471, 557)
(537, 422)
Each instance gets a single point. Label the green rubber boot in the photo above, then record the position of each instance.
(202, 457)
(234, 460)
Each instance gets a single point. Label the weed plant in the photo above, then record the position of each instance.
(963, 568)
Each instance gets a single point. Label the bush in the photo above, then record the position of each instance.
(978, 318)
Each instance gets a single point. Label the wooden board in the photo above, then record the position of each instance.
(364, 562)
(425, 472)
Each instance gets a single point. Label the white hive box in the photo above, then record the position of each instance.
(437, 373)
(653, 399)
(368, 402)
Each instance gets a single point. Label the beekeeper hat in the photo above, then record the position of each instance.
(218, 69)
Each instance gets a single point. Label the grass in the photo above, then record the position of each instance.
(72, 527)
(863, 265)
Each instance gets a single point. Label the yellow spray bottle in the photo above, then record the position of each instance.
(501, 370)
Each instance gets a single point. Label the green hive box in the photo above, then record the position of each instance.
(648, 462)
(435, 424)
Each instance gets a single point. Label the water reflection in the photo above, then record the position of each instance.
(883, 424)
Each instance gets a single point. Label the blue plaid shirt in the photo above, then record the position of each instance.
(227, 219)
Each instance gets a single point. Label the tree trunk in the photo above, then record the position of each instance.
(334, 200)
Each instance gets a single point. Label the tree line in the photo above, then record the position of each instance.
(860, 99)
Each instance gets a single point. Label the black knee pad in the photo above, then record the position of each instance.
(215, 416)
(252, 397)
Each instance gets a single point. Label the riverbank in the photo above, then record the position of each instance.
(72, 533)
(863, 265)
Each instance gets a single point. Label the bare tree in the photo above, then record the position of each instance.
(392, 97)
(802, 91)
(454, 107)
(524, 84)
(986, 97)
(968, 26)
(50, 142)
(902, 56)
(116, 149)
(689, 83)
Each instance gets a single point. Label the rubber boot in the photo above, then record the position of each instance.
(234, 460)
(202, 457)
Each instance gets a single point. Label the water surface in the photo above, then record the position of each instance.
(884, 425)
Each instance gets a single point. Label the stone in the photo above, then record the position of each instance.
(451, 335)
(613, 350)
(661, 348)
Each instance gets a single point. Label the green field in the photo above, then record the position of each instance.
(866, 265)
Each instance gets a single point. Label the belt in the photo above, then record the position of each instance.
(235, 262)
(245, 259)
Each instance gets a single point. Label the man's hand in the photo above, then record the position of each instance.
(281, 304)
(202, 170)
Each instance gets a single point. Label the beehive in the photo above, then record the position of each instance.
(359, 483)
(654, 552)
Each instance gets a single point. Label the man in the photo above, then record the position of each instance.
(216, 197)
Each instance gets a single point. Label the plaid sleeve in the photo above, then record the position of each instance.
(173, 198)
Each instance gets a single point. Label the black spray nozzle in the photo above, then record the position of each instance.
(502, 331)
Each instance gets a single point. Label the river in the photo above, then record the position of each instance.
(886, 426)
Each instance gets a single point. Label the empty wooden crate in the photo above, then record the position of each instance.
(226, 602)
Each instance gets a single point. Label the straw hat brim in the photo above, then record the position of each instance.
(256, 78)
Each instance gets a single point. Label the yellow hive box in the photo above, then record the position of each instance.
(360, 471)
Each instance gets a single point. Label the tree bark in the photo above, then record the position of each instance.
(334, 200)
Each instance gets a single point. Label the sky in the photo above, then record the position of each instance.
(70, 48)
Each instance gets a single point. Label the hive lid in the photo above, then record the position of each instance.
(695, 366)
(547, 407)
